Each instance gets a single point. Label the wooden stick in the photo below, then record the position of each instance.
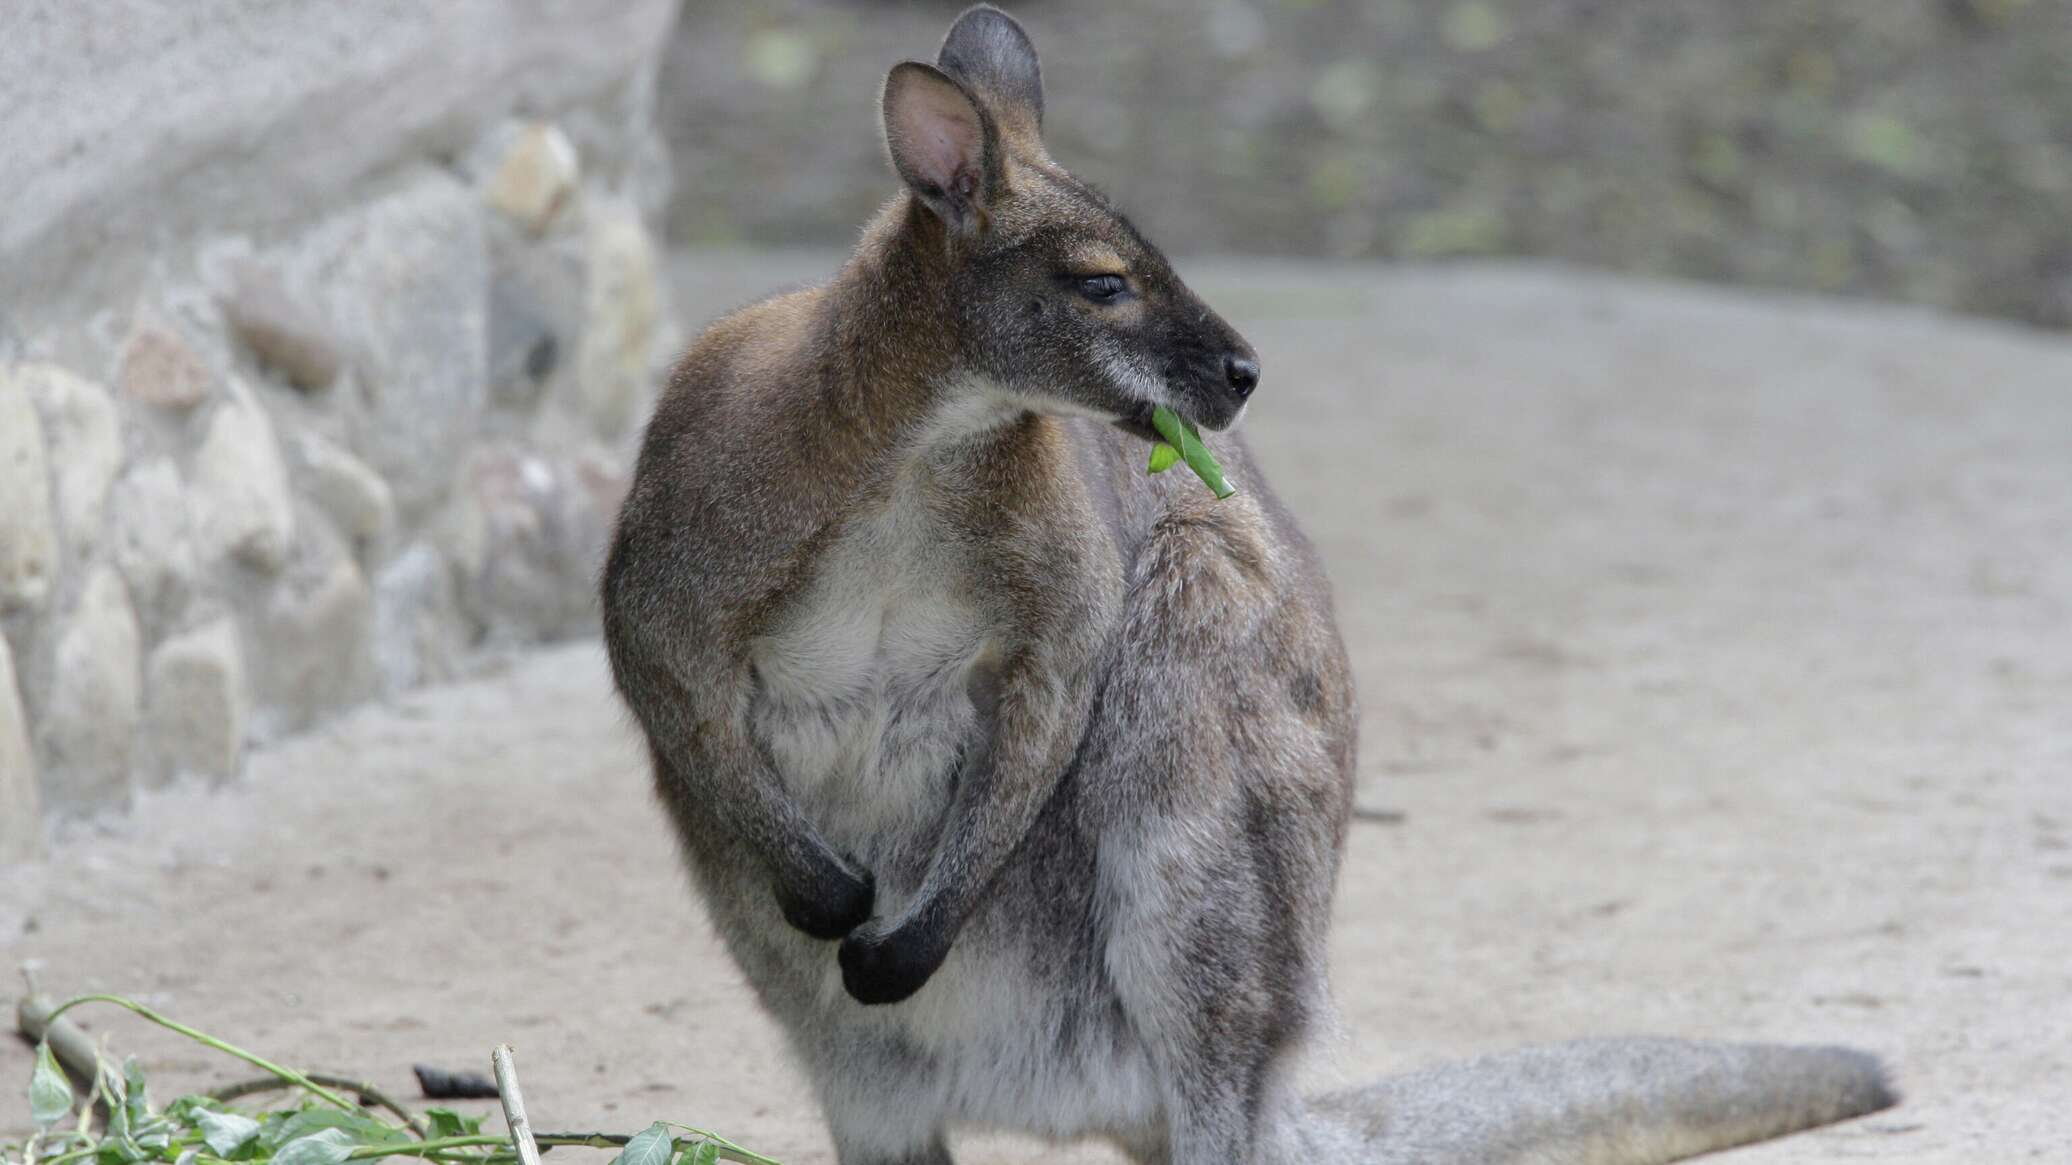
(514, 1105)
(74, 1048)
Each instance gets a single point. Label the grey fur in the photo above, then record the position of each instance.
(1060, 752)
(1595, 1101)
(988, 51)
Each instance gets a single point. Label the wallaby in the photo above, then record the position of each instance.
(1060, 753)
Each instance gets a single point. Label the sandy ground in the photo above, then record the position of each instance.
(1717, 650)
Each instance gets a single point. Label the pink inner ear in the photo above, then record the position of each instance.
(937, 133)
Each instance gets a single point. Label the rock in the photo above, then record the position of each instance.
(149, 541)
(418, 630)
(239, 505)
(350, 493)
(28, 532)
(87, 721)
(160, 368)
(525, 346)
(85, 435)
(527, 533)
(620, 318)
(535, 175)
(21, 814)
(620, 142)
(282, 328)
(537, 289)
(195, 715)
(405, 282)
(121, 141)
(310, 650)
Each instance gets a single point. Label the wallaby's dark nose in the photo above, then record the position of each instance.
(1243, 372)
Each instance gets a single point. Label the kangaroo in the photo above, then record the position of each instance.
(1015, 779)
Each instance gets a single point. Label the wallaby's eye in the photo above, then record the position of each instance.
(1103, 288)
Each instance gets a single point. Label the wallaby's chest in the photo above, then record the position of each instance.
(865, 678)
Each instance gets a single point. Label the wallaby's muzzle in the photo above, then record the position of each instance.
(1210, 370)
(1209, 389)
(1242, 372)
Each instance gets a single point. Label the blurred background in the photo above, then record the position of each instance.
(1913, 150)
(327, 332)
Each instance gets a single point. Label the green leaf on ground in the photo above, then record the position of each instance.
(702, 1153)
(50, 1094)
(135, 1095)
(650, 1146)
(322, 1129)
(225, 1132)
(323, 1147)
(184, 1108)
(447, 1123)
(360, 1128)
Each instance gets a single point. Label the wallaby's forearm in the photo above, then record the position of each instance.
(819, 891)
(1041, 717)
(1000, 792)
(704, 753)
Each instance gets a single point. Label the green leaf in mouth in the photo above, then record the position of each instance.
(1183, 443)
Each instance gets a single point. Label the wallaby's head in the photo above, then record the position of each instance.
(1057, 298)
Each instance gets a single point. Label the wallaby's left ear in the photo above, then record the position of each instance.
(944, 145)
(988, 51)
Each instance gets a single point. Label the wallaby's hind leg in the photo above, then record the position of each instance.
(877, 1093)
(1221, 779)
(1213, 982)
(861, 1139)
(934, 1153)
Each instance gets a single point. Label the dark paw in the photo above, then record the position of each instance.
(888, 966)
(838, 902)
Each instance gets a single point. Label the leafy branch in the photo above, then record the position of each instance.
(326, 1129)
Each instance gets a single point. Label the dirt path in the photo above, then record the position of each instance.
(1718, 650)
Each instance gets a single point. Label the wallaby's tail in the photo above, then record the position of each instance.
(1595, 1102)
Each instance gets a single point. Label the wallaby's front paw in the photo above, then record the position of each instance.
(886, 966)
(838, 902)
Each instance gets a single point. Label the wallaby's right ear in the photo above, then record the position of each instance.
(987, 50)
(944, 145)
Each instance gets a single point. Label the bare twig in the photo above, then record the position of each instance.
(514, 1105)
(585, 1140)
(1377, 815)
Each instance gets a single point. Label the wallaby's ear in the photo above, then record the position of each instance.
(988, 51)
(944, 145)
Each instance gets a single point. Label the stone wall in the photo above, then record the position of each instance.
(1914, 150)
(319, 364)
